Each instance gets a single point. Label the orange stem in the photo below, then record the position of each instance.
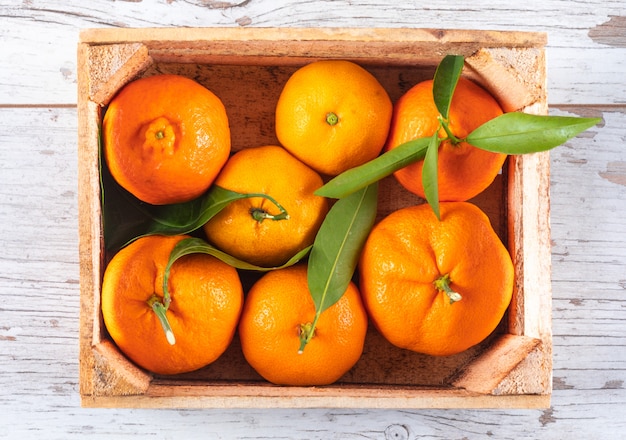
(443, 285)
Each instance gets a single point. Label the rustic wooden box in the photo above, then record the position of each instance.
(246, 68)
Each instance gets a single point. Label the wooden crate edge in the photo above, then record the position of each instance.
(236, 401)
(88, 209)
(235, 397)
(485, 38)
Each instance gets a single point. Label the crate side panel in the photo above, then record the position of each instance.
(433, 38)
(207, 395)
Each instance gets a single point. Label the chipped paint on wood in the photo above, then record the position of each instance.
(615, 173)
(611, 33)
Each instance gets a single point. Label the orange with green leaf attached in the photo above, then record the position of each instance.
(254, 229)
(278, 313)
(435, 287)
(464, 171)
(188, 331)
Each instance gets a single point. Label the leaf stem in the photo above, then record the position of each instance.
(260, 214)
(307, 331)
(451, 137)
(443, 285)
(160, 308)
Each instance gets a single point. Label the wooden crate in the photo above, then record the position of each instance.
(246, 68)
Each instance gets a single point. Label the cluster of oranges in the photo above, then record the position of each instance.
(436, 286)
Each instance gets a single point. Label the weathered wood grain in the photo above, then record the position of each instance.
(39, 291)
(44, 34)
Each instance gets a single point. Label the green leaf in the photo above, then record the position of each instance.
(360, 177)
(187, 217)
(521, 133)
(194, 245)
(338, 244)
(123, 216)
(430, 176)
(128, 218)
(444, 83)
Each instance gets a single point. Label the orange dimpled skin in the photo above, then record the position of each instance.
(410, 251)
(275, 309)
(165, 138)
(464, 171)
(333, 115)
(206, 302)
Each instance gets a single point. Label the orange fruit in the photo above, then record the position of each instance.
(403, 266)
(237, 229)
(276, 308)
(333, 115)
(206, 302)
(464, 170)
(165, 138)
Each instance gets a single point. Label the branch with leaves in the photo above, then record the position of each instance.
(509, 133)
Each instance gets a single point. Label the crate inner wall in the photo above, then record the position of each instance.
(249, 94)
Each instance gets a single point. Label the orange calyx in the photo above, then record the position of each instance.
(442, 284)
(445, 127)
(332, 118)
(305, 332)
(260, 214)
(160, 136)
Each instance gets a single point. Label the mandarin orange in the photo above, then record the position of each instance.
(333, 115)
(277, 308)
(206, 302)
(464, 171)
(435, 287)
(243, 230)
(165, 138)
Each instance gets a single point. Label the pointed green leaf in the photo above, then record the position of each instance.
(127, 218)
(194, 245)
(430, 176)
(338, 245)
(370, 172)
(521, 133)
(444, 83)
(186, 217)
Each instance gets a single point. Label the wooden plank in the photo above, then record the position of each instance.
(297, 46)
(112, 66)
(486, 374)
(90, 232)
(576, 37)
(234, 397)
(427, 38)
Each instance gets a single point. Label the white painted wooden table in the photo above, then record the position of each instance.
(39, 286)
